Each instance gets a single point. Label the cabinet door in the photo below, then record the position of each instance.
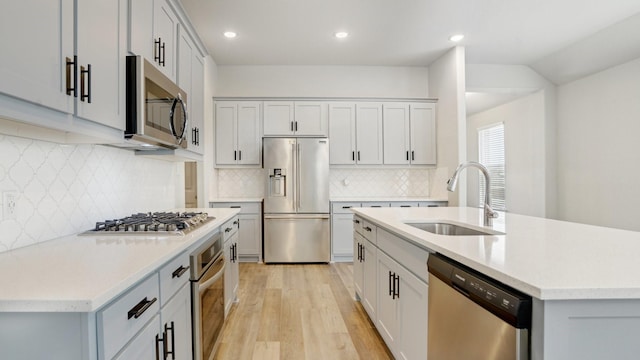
(370, 280)
(185, 53)
(249, 235)
(342, 235)
(248, 133)
(412, 316)
(35, 37)
(99, 45)
(423, 134)
(225, 129)
(396, 134)
(197, 104)
(141, 28)
(369, 133)
(231, 272)
(342, 132)
(278, 118)
(176, 323)
(387, 323)
(310, 119)
(143, 346)
(358, 267)
(165, 27)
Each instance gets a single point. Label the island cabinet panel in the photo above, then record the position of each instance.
(391, 282)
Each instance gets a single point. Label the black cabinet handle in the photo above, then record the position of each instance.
(405, 206)
(159, 339)
(367, 228)
(356, 221)
(86, 71)
(347, 207)
(390, 284)
(163, 54)
(73, 88)
(227, 229)
(234, 155)
(235, 206)
(291, 123)
(359, 252)
(363, 252)
(407, 155)
(156, 47)
(239, 154)
(396, 286)
(198, 136)
(173, 341)
(358, 155)
(179, 271)
(296, 125)
(413, 155)
(193, 136)
(140, 308)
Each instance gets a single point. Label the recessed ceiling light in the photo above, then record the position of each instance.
(456, 37)
(341, 34)
(230, 34)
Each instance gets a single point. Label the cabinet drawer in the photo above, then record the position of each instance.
(229, 228)
(245, 207)
(172, 276)
(410, 256)
(369, 231)
(375, 204)
(121, 320)
(343, 207)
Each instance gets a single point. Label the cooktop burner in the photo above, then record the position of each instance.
(157, 223)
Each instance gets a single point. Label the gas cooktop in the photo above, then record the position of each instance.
(156, 223)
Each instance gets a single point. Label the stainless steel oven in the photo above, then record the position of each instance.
(207, 295)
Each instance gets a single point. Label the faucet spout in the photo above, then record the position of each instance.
(489, 213)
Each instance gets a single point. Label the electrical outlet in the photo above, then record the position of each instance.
(9, 205)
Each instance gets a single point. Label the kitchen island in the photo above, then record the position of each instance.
(68, 298)
(585, 280)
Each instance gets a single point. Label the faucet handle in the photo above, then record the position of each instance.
(490, 212)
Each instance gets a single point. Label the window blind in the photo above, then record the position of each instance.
(491, 155)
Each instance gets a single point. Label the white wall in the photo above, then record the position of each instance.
(447, 84)
(599, 148)
(322, 81)
(525, 168)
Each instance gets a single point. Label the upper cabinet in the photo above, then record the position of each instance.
(409, 134)
(237, 133)
(43, 67)
(355, 131)
(191, 80)
(295, 118)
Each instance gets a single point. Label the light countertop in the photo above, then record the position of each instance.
(547, 259)
(83, 273)
(384, 199)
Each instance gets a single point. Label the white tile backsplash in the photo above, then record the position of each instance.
(342, 182)
(65, 189)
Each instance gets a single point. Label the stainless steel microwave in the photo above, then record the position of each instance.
(156, 113)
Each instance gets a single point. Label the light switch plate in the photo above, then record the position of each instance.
(9, 205)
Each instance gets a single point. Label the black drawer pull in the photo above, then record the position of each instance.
(405, 205)
(156, 47)
(139, 309)
(173, 341)
(235, 207)
(227, 229)
(356, 221)
(72, 88)
(367, 228)
(85, 71)
(347, 207)
(179, 271)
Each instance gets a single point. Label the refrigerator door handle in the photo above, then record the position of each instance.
(297, 176)
(294, 183)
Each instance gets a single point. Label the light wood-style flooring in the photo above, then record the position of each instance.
(299, 312)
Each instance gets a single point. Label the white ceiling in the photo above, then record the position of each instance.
(397, 32)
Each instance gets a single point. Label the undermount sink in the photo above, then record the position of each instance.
(443, 228)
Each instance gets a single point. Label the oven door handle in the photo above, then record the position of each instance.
(205, 285)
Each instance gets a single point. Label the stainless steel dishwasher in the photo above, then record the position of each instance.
(472, 316)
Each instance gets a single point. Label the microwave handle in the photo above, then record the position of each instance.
(178, 101)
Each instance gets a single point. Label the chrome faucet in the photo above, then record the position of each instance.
(489, 213)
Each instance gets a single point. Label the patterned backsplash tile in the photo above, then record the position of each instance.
(342, 182)
(65, 189)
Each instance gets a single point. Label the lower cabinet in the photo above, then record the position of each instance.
(394, 297)
(231, 272)
(250, 230)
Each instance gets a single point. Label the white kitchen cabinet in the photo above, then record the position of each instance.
(81, 82)
(355, 130)
(231, 271)
(295, 118)
(36, 37)
(190, 79)
(342, 231)
(409, 134)
(250, 229)
(140, 29)
(165, 28)
(176, 324)
(143, 346)
(402, 309)
(365, 261)
(237, 133)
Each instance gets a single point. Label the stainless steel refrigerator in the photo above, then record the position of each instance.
(296, 204)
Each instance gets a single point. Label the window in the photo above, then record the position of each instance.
(491, 155)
